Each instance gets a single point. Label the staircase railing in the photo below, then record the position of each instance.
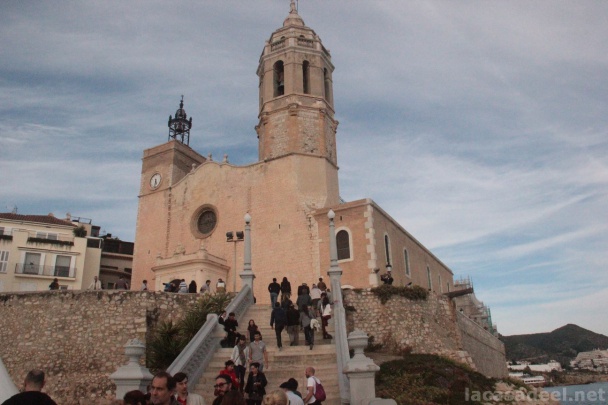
(197, 354)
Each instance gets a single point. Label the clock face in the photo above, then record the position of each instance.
(155, 181)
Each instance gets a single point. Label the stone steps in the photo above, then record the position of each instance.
(290, 362)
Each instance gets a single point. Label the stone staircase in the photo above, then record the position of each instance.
(291, 362)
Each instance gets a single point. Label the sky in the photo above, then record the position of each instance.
(480, 126)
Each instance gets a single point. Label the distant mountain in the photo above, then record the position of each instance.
(562, 344)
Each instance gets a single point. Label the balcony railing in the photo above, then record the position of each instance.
(48, 271)
(50, 238)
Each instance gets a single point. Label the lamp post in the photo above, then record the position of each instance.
(230, 237)
(247, 275)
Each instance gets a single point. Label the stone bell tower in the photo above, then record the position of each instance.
(296, 94)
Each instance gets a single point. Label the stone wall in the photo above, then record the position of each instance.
(77, 337)
(431, 326)
(487, 351)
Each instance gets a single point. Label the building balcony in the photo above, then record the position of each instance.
(50, 238)
(45, 271)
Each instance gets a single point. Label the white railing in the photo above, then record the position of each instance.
(197, 354)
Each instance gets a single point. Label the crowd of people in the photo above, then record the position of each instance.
(242, 381)
(166, 389)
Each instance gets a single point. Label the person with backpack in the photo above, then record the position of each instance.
(315, 392)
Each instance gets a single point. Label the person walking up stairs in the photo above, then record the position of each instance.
(291, 362)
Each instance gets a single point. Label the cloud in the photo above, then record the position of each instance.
(482, 130)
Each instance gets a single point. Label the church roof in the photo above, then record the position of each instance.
(43, 219)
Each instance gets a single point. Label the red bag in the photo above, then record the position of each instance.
(319, 391)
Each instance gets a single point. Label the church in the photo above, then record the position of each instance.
(192, 208)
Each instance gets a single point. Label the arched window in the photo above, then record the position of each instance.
(279, 79)
(306, 77)
(440, 284)
(406, 258)
(387, 250)
(428, 276)
(343, 244)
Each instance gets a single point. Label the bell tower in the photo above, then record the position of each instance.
(296, 111)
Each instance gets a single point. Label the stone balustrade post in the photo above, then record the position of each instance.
(132, 376)
(360, 370)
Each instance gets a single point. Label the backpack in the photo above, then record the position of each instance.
(319, 391)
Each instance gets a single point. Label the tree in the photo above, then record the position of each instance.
(80, 232)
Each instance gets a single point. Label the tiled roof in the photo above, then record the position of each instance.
(43, 219)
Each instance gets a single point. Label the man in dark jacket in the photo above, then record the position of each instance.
(293, 325)
(278, 320)
(34, 381)
(274, 289)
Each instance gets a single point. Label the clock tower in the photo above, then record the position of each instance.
(166, 164)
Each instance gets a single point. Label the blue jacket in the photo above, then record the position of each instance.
(278, 316)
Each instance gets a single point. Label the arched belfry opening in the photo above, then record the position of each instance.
(179, 127)
(306, 77)
(279, 78)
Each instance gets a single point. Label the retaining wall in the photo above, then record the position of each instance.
(78, 338)
(428, 326)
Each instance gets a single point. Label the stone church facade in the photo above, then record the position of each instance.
(187, 202)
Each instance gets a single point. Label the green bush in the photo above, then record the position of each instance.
(414, 293)
(168, 340)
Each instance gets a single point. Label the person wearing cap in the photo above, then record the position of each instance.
(290, 387)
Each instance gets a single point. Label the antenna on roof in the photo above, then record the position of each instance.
(13, 208)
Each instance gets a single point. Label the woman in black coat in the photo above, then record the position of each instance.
(285, 289)
(255, 387)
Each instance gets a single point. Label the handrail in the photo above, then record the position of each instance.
(197, 354)
(7, 387)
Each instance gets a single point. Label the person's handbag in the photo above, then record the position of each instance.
(319, 391)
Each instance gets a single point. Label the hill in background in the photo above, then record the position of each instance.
(562, 344)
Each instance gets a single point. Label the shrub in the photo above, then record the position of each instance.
(385, 292)
(169, 339)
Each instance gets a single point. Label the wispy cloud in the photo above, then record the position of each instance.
(482, 130)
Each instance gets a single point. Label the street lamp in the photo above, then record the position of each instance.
(230, 237)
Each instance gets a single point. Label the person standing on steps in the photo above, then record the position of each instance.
(321, 284)
(240, 354)
(274, 289)
(293, 325)
(258, 353)
(290, 387)
(325, 316)
(181, 389)
(285, 290)
(315, 296)
(278, 321)
(306, 316)
(256, 385)
(311, 387)
(223, 384)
